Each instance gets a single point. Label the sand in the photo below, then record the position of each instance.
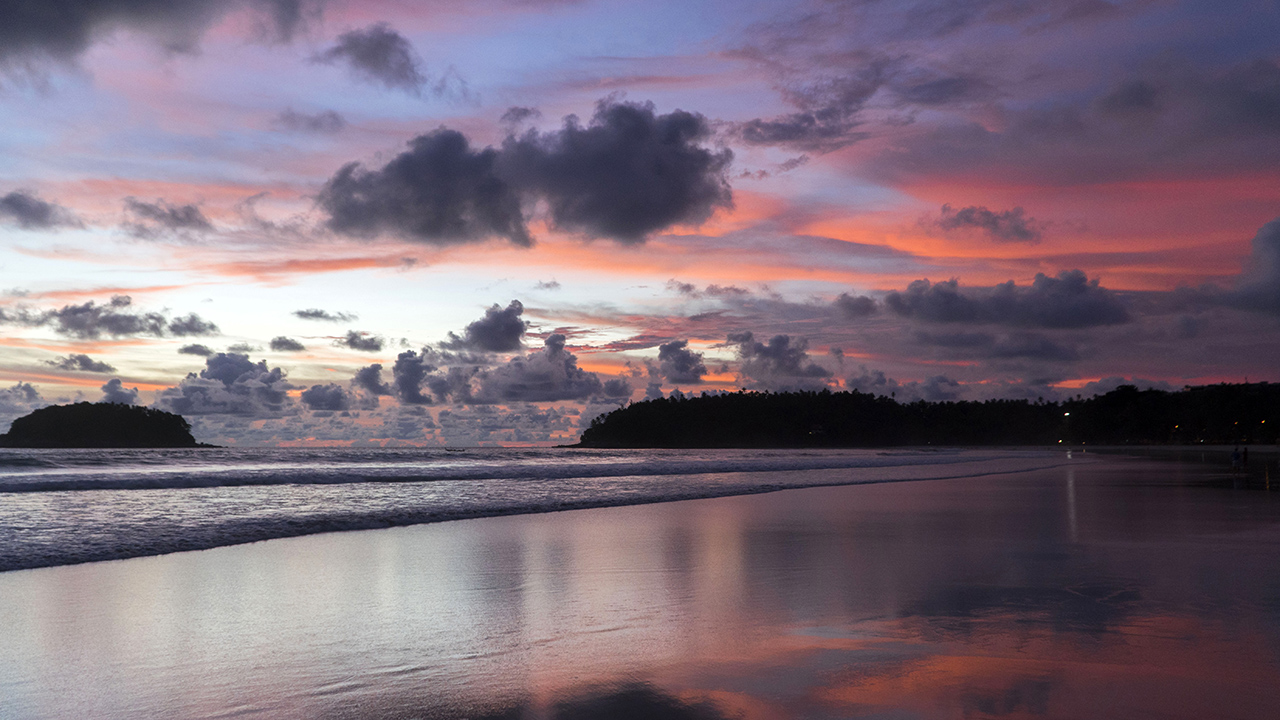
(1109, 588)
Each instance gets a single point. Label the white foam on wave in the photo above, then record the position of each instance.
(129, 513)
(188, 471)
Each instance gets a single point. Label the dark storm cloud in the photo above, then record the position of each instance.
(62, 30)
(409, 373)
(1004, 226)
(327, 121)
(625, 175)
(616, 388)
(331, 397)
(500, 330)
(230, 384)
(90, 321)
(242, 348)
(678, 364)
(440, 191)
(369, 379)
(854, 306)
(783, 363)
(361, 341)
(1070, 300)
(379, 54)
(116, 393)
(196, 349)
(80, 363)
(829, 111)
(155, 219)
(31, 213)
(286, 344)
(325, 315)
(1259, 287)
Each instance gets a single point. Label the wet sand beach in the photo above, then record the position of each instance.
(1111, 587)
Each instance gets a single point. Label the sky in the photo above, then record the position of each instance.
(309, 222)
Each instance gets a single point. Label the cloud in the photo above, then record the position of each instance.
(1173, 117)
(518, 115)
(783, 363)
(325, 315)
(230, 384)
(152, 220)
(1259, 286)
(115, 392)
(63, 30)
(191, 324)
(678, 364)
(324, 122)
(379, 54)
(31, 213)
(409, 373)
(81, 363)
(1030, 346)
(547, 375)
(547, 285)
(938, 388)
(1106, 385)
(829, 111)
(369, 380)
(331, 397)
(196, 349)
(18, 400)
(500, 330)
(361, 341)
(89, 321)
(1006, 226)
(440, 191)
(625, 175)
(1070, 300)
(854, 306)
(932, 91)
(285, 344)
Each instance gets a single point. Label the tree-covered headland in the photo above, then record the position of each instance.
(99, 425)
(1211, 414)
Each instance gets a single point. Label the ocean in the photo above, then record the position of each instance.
(1098, 586)
(60, 507)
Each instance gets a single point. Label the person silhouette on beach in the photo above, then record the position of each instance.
(1235, 459)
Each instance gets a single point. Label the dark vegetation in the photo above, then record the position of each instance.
(99, 425)
(1211, 414)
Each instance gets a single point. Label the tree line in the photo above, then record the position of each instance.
(1212, 414)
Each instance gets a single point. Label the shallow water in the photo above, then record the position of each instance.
(1121, 588)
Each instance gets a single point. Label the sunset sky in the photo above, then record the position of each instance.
(488, 222)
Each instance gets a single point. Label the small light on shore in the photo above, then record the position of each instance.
(1066, 414)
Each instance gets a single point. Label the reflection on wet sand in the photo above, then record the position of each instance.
(1114, 588)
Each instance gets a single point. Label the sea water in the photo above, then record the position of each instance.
(61, 507)
(1103, 587)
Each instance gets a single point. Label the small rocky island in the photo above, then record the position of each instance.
(99, 425)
